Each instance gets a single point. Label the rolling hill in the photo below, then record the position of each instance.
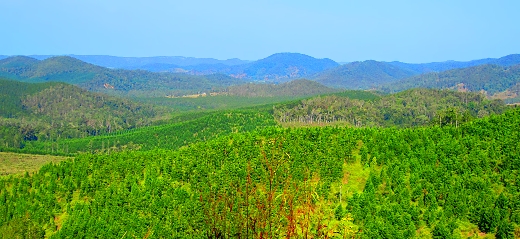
(429, 182)
(283, 67)
(508, 60)
(39, 111)
(491, 79)
(361, 75)
(119, 82)
(410, 108)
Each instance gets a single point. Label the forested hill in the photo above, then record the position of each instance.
(119, 82)
(63, 69)
(416, 107)
(433, 182)
(411, 108)
(300, 87)
(283, 67)
(280, 67)
(508, 60)
(492, 79)
(38, 111)
(361, 75)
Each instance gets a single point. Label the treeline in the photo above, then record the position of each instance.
(300, 87)
(417, 107)
(434, 182)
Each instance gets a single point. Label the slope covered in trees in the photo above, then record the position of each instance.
(56, 110)
(489, 78)
(300, 87)
(284, 66)
(306, 182)
(421, 68)
(417, 107)
(361, 75)
(184, 130)
(119, 82)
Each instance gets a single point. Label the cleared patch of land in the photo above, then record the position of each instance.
(16, 163)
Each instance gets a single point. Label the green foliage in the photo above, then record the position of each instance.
(362, 75)
(505, 230)
(188, 129)
(219, 102)
(489, 78)
(280, 182)
(22, 228)
(49, 111)
(300, 87)
(416, 107)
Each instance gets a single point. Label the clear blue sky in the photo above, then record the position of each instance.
(343, 30)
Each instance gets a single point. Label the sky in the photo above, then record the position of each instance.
(415, 31)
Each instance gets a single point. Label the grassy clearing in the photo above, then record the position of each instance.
(16, 163)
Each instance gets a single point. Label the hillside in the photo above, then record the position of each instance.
(411, 108)
(48, 111)
(491, 79)
(508, 60)
(293, 88)
(187, 129)
(428, 182)
(361, 75)
(282, 67)
(118, 82)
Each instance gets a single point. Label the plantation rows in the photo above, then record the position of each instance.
(167, 136)
(273, 182)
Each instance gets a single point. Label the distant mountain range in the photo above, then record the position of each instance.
(370, 74)
(275, 68)
(508, 60)
(278, 67)
(113, 81)
(158, 76)
(132, 63)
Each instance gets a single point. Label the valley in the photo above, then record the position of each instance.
(289, 146)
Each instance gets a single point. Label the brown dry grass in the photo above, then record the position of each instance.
(15, 163)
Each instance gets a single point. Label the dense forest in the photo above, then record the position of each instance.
(258, 160)
(328, 182)
(417, 107)
(49, 111)
(420, 68)
(362, 75)
(300, 87)
(195, 127)
(489, 78)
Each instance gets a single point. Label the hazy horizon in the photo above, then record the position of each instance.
(406, 31)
